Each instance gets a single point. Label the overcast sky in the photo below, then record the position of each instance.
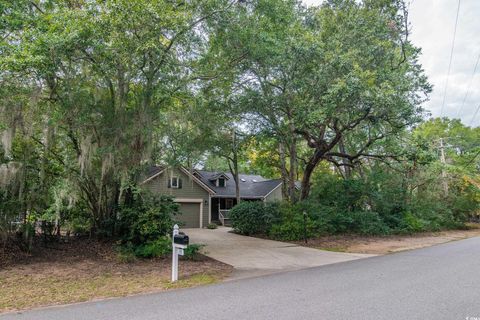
(432, 24)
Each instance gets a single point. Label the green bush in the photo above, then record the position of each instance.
(156, 248)
(411, 223)
(212, 226)
(289, 226)
(79, 225)
(148, 220)
(367, 223)
(253, 217)
(321, 220)
(145, 225)
(192, 252)
(382, 201)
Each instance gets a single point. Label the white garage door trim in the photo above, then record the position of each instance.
(200, 201)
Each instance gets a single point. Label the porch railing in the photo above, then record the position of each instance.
(223, 216)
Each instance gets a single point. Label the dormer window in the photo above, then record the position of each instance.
(221, 182)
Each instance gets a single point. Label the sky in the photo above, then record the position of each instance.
(432, 29)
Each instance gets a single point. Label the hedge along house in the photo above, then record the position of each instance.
(205, 196)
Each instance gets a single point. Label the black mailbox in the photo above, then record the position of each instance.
(181, 238)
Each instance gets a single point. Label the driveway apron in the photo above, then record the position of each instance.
(254, 256)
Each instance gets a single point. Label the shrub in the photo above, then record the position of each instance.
(162, 247)
(192, 252)
(290, 224)
(254, 217)
(148, 220)
(324, 220)
(339, 222)
(79, 226)
(411, 223)
(212, 226)
(156, 248)
(145, 225)
(368, 223)
(292, 230)
(125, 254)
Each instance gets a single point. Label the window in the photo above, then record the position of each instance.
(174, 182)
(228, 204)
(221, 182)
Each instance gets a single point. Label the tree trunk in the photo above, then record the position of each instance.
(346, 168)
(283, 169)
(293, 165)
(233, 166)
(235, 177)
(307, 174)
(237, 185)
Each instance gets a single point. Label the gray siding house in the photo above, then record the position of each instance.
(205, 196)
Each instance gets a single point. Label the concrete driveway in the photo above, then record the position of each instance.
(253, 256)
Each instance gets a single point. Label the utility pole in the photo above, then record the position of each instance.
(444, 162)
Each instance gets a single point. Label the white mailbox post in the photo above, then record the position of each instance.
(177, 250)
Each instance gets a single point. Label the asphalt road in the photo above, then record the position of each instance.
(440, 282)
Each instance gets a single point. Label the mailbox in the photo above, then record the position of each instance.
(181, 238)
(180, 242)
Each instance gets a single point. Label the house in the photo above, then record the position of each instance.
(205, 196)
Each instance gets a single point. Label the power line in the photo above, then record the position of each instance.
(469, 86)
(474, 115)
(451, 56)
(471, 160)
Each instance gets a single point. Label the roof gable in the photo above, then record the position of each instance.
(251, 186)
(156, 171)
(219, 175)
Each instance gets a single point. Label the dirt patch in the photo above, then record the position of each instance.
(86, 270)
(388, 244)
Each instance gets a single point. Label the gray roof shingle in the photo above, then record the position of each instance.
(251, 186)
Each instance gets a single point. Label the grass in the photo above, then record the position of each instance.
(21, 292)
(72, 274)
(333, 249)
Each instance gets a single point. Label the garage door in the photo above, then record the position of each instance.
(189, 214)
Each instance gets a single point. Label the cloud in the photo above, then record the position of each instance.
(432, 24)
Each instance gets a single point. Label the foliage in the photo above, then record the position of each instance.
(145, 228)
(93, 92)
(147, 220)
(321, 220)
(158, 248)
(192, 251)
(338, 80)
(154, 248)
(290, 225)
(403, 203)
(84, 97)
(253, 217)
(212, 226)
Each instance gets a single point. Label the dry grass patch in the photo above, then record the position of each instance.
(88, 270)
(389, 244)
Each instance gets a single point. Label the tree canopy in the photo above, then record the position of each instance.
(93, 92)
